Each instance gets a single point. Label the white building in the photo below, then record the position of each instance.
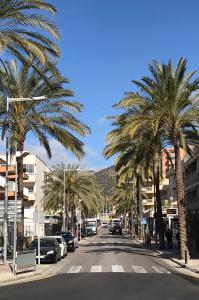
(36, 170)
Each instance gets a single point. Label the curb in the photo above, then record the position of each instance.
(183, 265)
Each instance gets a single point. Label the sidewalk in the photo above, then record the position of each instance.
(42, 271)
(173, 255)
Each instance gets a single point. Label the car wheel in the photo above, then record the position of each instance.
(55, 259)
(73, 249)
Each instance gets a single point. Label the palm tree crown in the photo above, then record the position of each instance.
(51, 117)
(22, 28)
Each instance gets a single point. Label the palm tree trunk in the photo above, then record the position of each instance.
(20, 224)
(139, 206)
(159, 218)
(67, 209)
(180, 201)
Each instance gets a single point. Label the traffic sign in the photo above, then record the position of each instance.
(144, 221)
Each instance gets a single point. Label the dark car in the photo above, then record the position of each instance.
(117, 229)
(9, 249)
(69, 239)
(49, 249)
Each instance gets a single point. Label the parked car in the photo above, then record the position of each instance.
(70, 239)
(9, 249)
(117, 229)
(50, 250)
(62, 244)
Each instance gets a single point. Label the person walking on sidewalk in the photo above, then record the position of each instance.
(169, 237)
(148, 238)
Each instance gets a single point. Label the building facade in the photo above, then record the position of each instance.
(191, 180)
(35, 172)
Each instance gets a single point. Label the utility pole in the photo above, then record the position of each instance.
(64, 206)
(6, 186)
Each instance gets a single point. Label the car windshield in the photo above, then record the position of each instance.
(91, 224)
(59, 240)
(68, 236)
(43, 243)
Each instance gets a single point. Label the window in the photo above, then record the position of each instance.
(30, 168)
(30, 188)
(29, 230)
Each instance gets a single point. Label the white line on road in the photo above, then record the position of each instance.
(96, 269)
(74, 269)
(139, 269)
(159, 269)
(117, 268)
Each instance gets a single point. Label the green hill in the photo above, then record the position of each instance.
(106, 179)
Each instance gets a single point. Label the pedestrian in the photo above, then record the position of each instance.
(148, 238)
(169, 237)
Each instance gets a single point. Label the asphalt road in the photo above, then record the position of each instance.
(109, 268)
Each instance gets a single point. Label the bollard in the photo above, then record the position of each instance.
(185, 257)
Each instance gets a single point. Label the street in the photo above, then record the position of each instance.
(109, 267)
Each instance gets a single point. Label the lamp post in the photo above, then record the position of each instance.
(10, 100)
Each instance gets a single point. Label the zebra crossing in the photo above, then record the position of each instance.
(118, 269)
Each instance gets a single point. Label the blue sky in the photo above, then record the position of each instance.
(107, 43)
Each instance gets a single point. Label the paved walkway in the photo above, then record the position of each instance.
(173, 254)
(43, 270)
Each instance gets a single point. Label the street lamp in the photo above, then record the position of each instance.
(10, 100)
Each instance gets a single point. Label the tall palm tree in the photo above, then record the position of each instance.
(22, 29)
(79, 185)
(50, 118)
(173, 95)
(124, 200)
(139, 139)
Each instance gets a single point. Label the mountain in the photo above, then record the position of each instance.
(106, 179)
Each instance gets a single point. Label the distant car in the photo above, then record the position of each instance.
(89, 231)
(70, 239)
(50, 250)
(117, 229)
(62, 244)
(104, 224)
(114, 222)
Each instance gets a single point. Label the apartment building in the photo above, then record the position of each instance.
(35, 170)
(169, 204)
(11, 193)
(191, 180)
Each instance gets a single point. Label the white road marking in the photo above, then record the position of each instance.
(74, 269)
(96, 269)
(159, 269)
(117, 268)
(139, 269)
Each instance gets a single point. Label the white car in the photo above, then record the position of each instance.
(104, 224)
(62, 244)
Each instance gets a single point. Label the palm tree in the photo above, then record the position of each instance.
(22, 30)
(175, 97)
(139, 139)
(52, 117)
(124, 200)
(79, 185)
